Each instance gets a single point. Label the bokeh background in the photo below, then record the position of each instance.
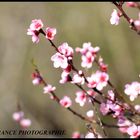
(76, 23)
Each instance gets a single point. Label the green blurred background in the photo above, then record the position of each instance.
(76, 23)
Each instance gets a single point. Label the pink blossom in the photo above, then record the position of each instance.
(76, 135)
(66, 102)
(114, 17)
(123, 123)
(48, 89)
(131, 4)
(87, 48)
(34, 34)
(98, 80)
(101, 79)
(88, 54)
(117, 109)
(87, 60)
(78, 79)
(50, 33)
(90, 113)
(66, 50)
(92, 81)
(17, 116)
(104, 108)
(59, 60)
(36, 24)
(64, 77)
(111, 95)
(80, 98)
(134, 131)
(132, 90)
(25, 123)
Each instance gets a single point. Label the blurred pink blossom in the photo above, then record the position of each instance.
(66, 102)
(114, 20)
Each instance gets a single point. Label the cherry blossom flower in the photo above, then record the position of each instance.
(90, 113)
(92, 81)
(87, 60)
(76, 135)
(66, 50)
(98, 80)
(123, 123)
(117, 109)
(114, 20)
(132, 90)
(17, 116)
(34, 34)
(80, 98)
(101, 79)
(25, 123)
(131, 4)
(111, 95)
(50, 33)
(64, 77)
(48, 89)
(78, 79)
(88, 54)
(35, 26)
(134, 131)
(104, 108)
(87, 48)
(66, 102)
(59, 61)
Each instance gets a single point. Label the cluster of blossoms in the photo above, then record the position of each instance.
(36, 28)
(129, 127)
(88, 54)
(133, 90)
(115, 16)
(19, 117)
(63, 58)
(98, 80)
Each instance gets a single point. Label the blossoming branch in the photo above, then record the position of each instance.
(108, 104)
